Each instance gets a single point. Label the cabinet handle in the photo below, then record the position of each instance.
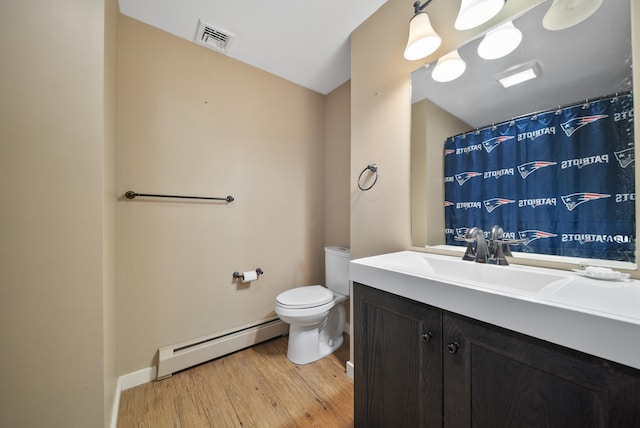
(426, 337)
(453, 347)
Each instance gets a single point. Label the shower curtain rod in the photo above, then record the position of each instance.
(131, 195)
(536, 113)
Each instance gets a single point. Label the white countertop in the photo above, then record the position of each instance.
(597, 317)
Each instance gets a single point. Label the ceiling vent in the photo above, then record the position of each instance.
(213, 38)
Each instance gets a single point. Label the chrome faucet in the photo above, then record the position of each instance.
(494, 251)
(498, 246)
(476, 245)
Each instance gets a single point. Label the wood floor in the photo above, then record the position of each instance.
(255, 387)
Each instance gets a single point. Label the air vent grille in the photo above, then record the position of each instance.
(213, 37)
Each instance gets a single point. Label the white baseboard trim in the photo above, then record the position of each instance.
(116, 404)
(139, 377)
(350, 369)
(125, 382)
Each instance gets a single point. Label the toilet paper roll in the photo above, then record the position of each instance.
(249, 276)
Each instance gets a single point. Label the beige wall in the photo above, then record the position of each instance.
(430, 126)
(195, 122)
(337, 165)
(52, 163)
(380, 122)
(110, 319)
(337, 156)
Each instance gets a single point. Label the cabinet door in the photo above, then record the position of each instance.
(398, 370)
(498, 378)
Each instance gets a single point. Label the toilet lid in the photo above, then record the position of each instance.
(305, 297)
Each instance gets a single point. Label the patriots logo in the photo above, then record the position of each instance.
(493, 203)
(532, 235)
(527, 168)
(625, 157)
(571, 126)
(462, 177)
(448, 203)
(461, 232)
(448, 151)
(575, 199)
(492, 143)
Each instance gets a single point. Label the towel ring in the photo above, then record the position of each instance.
(374, 169)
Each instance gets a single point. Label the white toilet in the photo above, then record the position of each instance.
(316, 314)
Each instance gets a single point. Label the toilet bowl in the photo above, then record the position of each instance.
(316, 315)
(315, 327)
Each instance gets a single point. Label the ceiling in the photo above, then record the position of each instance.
(589, 60)
(305, 43)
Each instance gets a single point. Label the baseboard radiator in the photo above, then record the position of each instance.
(180, 356)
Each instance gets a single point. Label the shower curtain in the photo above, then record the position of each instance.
(563, 181)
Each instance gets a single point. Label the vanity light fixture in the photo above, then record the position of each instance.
(500, 41)
(476, 12)
(566, 13)
(423, 40)
(519, 74)
(449, 67)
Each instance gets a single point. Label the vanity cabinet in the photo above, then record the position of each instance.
(398, 361)
(420, 366)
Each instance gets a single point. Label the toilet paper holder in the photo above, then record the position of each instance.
(238, 275)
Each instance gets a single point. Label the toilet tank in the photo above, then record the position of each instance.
(336, 269)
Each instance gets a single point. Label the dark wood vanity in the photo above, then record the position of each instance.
(421, 366)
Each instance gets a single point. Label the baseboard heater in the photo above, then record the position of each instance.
(181, 356)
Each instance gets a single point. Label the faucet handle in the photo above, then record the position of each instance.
(507, 249)
(481, 246)
(469, 238)
(502, 250)
(496, 233)
(511, 241)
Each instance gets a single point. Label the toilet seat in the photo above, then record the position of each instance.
(305, 297)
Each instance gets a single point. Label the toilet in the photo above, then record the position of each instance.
(316, 314)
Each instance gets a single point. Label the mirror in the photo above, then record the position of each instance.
(585, 62)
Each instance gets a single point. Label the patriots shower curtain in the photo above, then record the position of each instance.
(562, 181)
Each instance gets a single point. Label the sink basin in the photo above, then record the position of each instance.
(517, 279)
